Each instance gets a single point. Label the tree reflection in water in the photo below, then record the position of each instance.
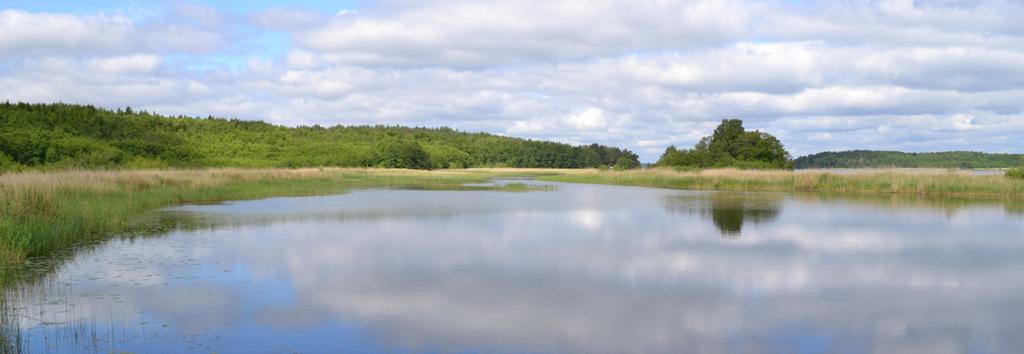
(729, 210)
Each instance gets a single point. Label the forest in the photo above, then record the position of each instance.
(730, 146)
(889, 159)
(60, 136)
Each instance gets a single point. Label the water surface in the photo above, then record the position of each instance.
(582, 268)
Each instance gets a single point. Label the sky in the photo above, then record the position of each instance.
(641, 74)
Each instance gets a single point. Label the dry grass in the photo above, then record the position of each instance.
(17, 187)
(935, 182)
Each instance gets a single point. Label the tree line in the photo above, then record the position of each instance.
(82, 136)
(887, 159)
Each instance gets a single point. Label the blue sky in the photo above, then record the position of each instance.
(256, 42)
(822, 75)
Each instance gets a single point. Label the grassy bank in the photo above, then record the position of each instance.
(43, 212)
(909, 182)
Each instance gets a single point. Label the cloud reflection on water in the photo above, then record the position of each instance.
(585, 268)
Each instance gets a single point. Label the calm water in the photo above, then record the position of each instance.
(579, 269)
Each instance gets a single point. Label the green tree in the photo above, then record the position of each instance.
(730, 146)
(64, 136)
(890, 159)
(1015, 173)
(728, 139)
(6, 163)
(627, 162)
(395, 153)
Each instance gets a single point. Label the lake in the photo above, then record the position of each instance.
(580, 268)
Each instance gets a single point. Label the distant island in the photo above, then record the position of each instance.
(897, 159)
(61, 136)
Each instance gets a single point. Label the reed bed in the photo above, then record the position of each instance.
(925, 182)
(44, 211)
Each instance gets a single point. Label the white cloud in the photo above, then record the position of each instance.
(25, 33)
(923, 75)
(825, 136)
(126, 64)
(590, 119)
(470, 33)
(526, 127)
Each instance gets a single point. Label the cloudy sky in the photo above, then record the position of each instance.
(821, 75)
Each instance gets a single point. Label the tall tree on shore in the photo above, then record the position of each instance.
(731, 146)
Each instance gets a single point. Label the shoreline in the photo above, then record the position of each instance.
(41, 212)
(917, 182)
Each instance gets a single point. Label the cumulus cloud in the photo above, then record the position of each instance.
(589, 119)
(25, 34)
(912, 75)
(470, 33)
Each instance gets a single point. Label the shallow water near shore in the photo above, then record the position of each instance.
(576, 268)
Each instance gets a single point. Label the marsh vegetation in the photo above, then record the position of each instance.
(43, 211)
